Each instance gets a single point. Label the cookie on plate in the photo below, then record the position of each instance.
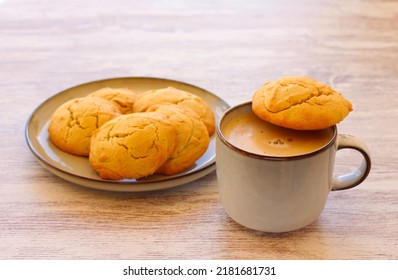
(73, 123)
(170, 95)
(132, 146)
(124, 98)
(301, 103)
(192, 139)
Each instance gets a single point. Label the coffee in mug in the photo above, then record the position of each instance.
(277, 180)
(254, 135)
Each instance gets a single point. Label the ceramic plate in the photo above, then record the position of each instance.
(78, 170)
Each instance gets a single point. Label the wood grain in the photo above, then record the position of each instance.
(229, 48)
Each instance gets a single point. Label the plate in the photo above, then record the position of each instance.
(78, 170)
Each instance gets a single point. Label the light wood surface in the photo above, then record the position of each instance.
(229, 48)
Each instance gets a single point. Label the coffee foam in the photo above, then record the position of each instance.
(247, 132)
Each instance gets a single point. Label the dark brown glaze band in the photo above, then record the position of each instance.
(266, 157)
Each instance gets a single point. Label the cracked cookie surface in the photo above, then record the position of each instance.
(73, 123)
(171, 95)
(132, 146)
(123, 98)
(301, 103)
(192, 139)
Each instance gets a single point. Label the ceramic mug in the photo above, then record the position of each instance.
(280, 194)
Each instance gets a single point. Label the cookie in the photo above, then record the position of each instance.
(300, 103)
(123, 98)
(132, 146)
(170, 95)
(192, 139)
(73, 123)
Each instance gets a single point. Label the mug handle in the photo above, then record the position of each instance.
(354, 178)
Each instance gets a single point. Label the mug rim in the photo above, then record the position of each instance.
(268, 157)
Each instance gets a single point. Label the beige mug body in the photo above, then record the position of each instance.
(280, 194)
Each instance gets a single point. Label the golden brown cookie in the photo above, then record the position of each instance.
(191, 142)
(124, 98)
(73, 123)
(301, 103)
(171, 95)
(132, 146)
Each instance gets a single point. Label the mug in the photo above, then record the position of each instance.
(281, 193)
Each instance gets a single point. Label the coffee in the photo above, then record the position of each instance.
(252, 134)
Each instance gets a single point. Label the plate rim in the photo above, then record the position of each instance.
(125, 183)
(115, 187)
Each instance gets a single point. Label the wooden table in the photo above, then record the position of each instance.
(230, 49)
